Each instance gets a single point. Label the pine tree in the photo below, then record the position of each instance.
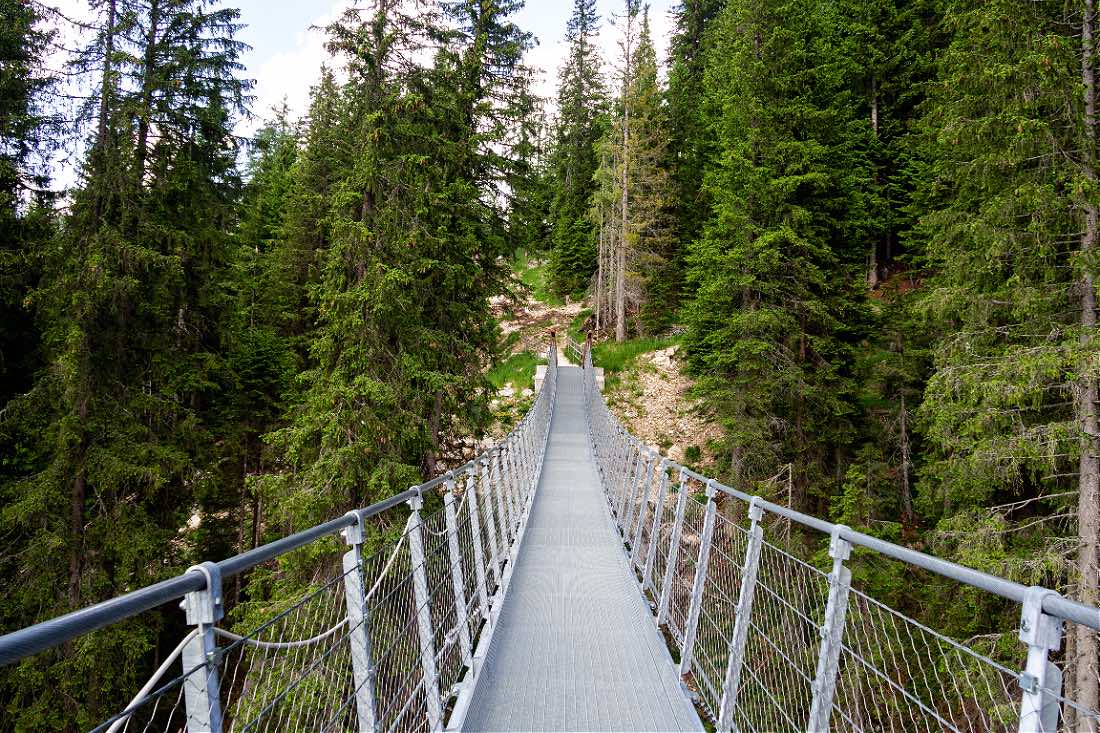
(130, 306)
(25, 216)
(581, 123)
(775, 310)
(635, 254)
(689, 148)
(416, 234)
(1010, 409)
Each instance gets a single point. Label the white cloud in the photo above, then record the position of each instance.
(290, 74)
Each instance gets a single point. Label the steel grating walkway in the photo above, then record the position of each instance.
(575, 647)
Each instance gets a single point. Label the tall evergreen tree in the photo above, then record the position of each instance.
(581, 123)
(775, 305)
(130, 306)
(25, 216)
(416, 231)
(635, 279)
(1010, 409)
(690, 147)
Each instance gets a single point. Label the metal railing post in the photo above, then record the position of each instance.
(424, 617)
(513, 480)
(458, 581)
(505, 515)
(647, 487)
(673, 558)
(490, 519)
(200, 657)
(732, 684)
(655, 528)
(832, 634)
(479, 550)
(627, 512)
(699, 582)
(628, 464)
(359, 627)
(1041, 680)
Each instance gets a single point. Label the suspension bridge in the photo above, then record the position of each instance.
(574, 579)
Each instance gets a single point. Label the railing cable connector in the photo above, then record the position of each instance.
(1041, 680)
(201, 657)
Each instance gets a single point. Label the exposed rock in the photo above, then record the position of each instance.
(653, 401)
(527, 392)
(507, 391)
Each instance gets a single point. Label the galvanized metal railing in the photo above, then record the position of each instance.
(386, 640)
(771, 641)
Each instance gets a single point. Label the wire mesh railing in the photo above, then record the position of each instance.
(772, 636)
(388, 640)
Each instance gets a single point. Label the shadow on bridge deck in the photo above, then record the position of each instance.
(575, 647)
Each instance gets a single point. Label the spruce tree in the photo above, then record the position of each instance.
(770, 328)
(581, 123)
(1011, 223)
(690, 147)
(130, 305)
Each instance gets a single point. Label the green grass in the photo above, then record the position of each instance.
(517, 370)
(535, 277)
(576, 328)
(616, 357)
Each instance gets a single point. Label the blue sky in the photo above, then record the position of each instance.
(286, 56)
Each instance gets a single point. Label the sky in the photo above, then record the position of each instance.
(286, 56)
(287, 49)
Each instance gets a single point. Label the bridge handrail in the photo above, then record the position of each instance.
(712, 594)
(51, 633)
(1056, 605)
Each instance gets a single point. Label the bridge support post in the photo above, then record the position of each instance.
(673, 558)
(200, 657)
(458, 581)
(832, 634)
(647, 489)
(490, 519)
(424, 617)
(732, 683)
(655, 529)
(479, 548)
(700, 581)
(362, 665)
(1041, 680)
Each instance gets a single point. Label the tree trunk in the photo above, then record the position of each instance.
(104, 100)
(141, 151)
(906, 492)
(76, 506)
(1088, 511)
(624, 236)
(599, 272)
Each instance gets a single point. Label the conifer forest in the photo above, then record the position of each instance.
(870, 227)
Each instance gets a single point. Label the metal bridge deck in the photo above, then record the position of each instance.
(575, 647)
